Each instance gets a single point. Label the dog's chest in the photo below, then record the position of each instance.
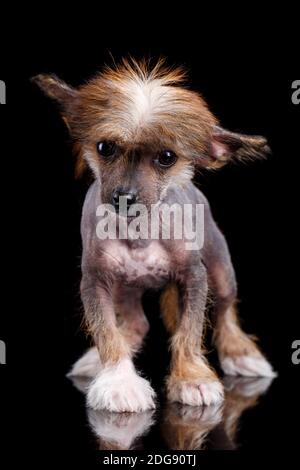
(147, 266)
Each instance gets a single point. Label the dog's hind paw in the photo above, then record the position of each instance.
(88, 365)
(248, 366)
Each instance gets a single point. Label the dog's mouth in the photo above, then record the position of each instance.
(128, 212)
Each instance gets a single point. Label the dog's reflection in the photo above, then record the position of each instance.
(193, 428)
(119, 431)
(186, 427)
(182, 427)
(241, 394)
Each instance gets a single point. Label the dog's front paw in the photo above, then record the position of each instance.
(247, 365)
(200, 392)
(119, 388)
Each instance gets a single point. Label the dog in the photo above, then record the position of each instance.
(143, 134)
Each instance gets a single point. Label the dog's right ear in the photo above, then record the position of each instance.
(56, 89)
(67, 98)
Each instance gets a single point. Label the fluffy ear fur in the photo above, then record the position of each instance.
(66, 97)
(59, 91)
(55, 88)
(228, 146)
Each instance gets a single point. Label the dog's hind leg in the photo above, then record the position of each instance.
(169, 307)
(131, 318)
(238, 352)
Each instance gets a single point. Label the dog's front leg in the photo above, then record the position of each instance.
(191, 380)
(117, 387)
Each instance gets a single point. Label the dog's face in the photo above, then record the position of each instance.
(139, 172)
(140, 131)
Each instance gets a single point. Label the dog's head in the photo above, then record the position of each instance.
(140, 130)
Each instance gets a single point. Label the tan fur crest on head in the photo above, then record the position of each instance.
(134, 103)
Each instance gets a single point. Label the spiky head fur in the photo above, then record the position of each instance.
(145, 110)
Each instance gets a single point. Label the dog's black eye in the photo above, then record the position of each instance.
(106, 148)
(166, 158)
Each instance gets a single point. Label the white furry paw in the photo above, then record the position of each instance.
(202, 392)
(88, 365)
(248, 366)
(119, 388)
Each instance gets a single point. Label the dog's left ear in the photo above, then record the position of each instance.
(226, 146)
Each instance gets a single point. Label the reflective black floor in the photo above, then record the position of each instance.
(180, 427)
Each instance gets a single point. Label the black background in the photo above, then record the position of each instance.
(248, 87)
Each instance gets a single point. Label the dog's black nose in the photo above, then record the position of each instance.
(129, 197)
